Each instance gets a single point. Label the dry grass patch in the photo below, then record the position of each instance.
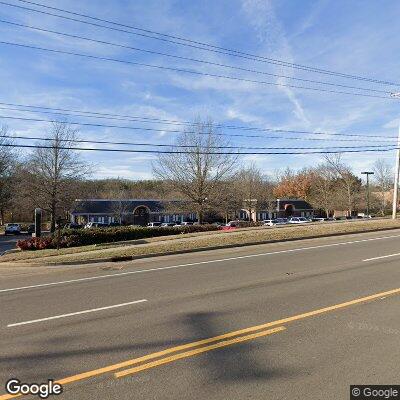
(48, 253)
(198, 241)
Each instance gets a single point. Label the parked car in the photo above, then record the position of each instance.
(154, 224)
(167, 224)
(91, 225)
(233, 224)
(276, 221)
(298, 220)
(269, 222)
(12, 229)
(73, 226)
(364, 216)
(319, 219)
(31, 229)
(186, 223)
(228, 227)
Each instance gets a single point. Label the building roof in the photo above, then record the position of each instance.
(298, 204)
(107, 206)
(126, 206)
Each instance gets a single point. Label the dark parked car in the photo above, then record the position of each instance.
(31, 228)
(73, 226)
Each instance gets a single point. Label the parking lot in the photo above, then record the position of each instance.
(8, 242)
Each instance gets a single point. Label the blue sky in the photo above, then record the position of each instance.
(357, 37)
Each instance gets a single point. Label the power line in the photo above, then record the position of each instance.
(185, 146)
(179, 131)
(188, 71)
(193, 152)
(188, 42)
(194, 59)
(158, 120)
(169, 122)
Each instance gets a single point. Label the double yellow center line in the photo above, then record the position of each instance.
(248, 337)
(210, 344)
(200, 350)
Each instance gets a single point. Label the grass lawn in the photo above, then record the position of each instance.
(205, 240)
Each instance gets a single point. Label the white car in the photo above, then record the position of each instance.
(12, 229)
(154, 224)
(167, 224)
(91, 225)
(277, 221)
(298, 220)
(317, 219)
(269, 222)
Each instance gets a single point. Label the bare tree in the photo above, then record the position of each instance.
(348, 184)
(253, 189)
(7, 161)
(196, 172)
(227, 201)
(383, 177)
(53, 171)
(120, 205)
(323, 189)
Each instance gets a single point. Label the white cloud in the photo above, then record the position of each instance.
(272, 36)
(353, 42)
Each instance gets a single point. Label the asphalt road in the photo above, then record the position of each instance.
(296, 320)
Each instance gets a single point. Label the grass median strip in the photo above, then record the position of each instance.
(198, 241)
(200, 350)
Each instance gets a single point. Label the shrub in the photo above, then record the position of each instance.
(84, 237)
(37, 243)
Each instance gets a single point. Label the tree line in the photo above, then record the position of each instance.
(211, 182)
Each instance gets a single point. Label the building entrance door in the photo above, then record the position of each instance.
(289, 209)
(141, 216)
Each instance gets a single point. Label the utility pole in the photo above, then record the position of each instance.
(396, 178)
(368, 173)
(277, 207)
(396, 173)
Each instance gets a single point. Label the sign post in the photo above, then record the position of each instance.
(38, 222)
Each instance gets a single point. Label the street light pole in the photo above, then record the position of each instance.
(368, 173)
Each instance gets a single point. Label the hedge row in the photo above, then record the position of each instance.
(83, 237)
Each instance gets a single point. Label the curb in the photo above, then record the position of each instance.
(201, 249)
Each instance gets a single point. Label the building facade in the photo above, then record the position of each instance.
(143, 211)
(280, 208)
(129, 211)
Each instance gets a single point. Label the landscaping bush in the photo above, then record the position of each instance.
(84, 237)
(36, 243)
